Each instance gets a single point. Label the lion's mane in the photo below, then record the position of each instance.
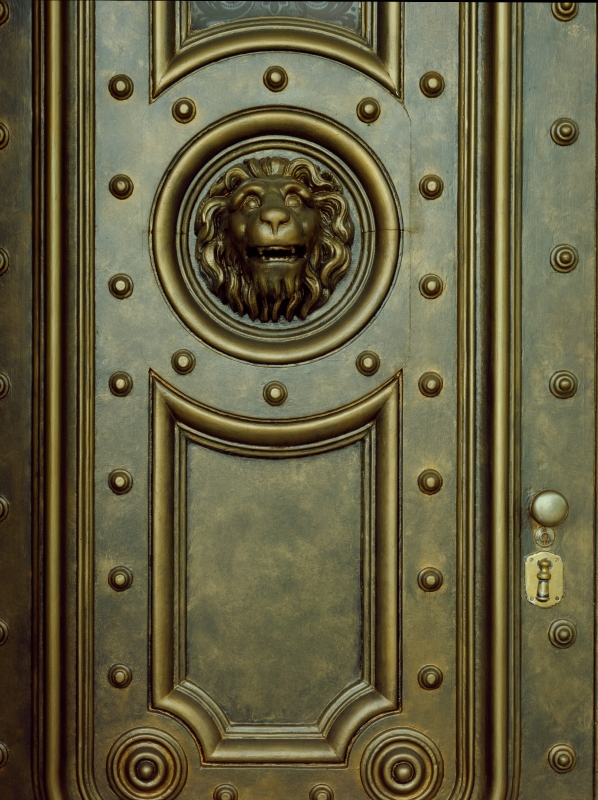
(220, 263)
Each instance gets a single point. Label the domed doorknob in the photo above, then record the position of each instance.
(549, 508)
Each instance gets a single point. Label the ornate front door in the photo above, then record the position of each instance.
(297, 400)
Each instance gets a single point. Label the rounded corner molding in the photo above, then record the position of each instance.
(183, 362)
(402, 764)
(563, 384)
(368, 363)
(565, 12)
(321, 792)
(146, 764)
(4, 135)
(4, 507)
(4, 12)
(564, 258)
(368, 110)
(562, 758)
(276, 79)
(4, 260)
(549, 508)
(121, 87)
(431, 187)
(4, 385)
(4, 632)
(564, 132)
(121, 186)
(430, 481)
(3, 755)
(121, 384)
(120, 481)
(430, 384)
(430, 579)
(431, 84)
(430, 677)
(562, 633)
(184, 110)
(275, 393)
(120, 578)
(225, 791)
(431, 286)
(120, 286)
(120, 676)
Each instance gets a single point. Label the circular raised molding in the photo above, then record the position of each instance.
(429, 579)
(368, 110)
(4, 135)
(321, 792)
(563, 384)
(3, 754)
(4, 632)
(120, 286)
(4, 260)
(564, 258)
(432, 84)
(430, 384)
(4, 12)
(368, 362)
(288, 133)
(276, 79)
(184, 110)
(225, 791)
(121, 186)
(4, 385)
(121, 384)
(431, 286)
(429, 481)
(275, 393)
(120, 675)
(430, 677)
(183, 362)
(564, 131)
(146, 764)
(402, 764)
(562, 758)
(120, 481)
(565, 11)
(562, 633)
(4, 508)
(120, 578)
(431, 187)
(120, 87)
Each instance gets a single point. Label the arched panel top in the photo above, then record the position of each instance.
(177, 49)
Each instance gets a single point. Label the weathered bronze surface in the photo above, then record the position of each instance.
(297, 325)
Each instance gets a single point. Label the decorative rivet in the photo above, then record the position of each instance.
(146, 763)
(549, 508)
(120, 578)
(368, 109)
(4, 385)
(562, 758)
(275, 79)
(564, 132)
(431, 187)
(225, 792)
(183, 362)
(565, 11)
(430, 384)
(562, 633)
(430, 677)
(321, 792)
(431, 286)
(368, 362)
(430, 481)
(120, 481)
(563, 384)
(120, 286)
(3, 754)
(4, 260)
(4, 135)
(184, 110)
(4, 508)
(4, 12)
(120, 675)
(4, 631)
(121, 384)
(430, 579)
(121, 186)
(121, 87)
(275, 393)
(432, 84)
(564, 258)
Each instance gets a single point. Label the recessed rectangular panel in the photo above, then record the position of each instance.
(204, 15)
(274, 595)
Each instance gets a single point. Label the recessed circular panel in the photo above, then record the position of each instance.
(284, 134)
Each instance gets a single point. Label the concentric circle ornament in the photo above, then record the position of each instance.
(146, 764)
(402, 764)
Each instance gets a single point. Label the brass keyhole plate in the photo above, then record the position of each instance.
(555, 584)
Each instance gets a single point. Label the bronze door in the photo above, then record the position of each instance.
(297, 400)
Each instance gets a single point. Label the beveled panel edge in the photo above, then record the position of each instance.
(173, 58)
(378, 412)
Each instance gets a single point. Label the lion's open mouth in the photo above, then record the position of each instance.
(290, 253)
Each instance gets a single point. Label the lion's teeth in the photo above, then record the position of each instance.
(260, 251)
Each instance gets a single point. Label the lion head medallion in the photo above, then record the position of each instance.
(274, 237)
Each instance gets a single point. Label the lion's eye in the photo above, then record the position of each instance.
(293, 200)
(252, 201)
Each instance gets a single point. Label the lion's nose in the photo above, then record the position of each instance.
(274, 216)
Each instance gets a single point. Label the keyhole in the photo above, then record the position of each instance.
(545, 539)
